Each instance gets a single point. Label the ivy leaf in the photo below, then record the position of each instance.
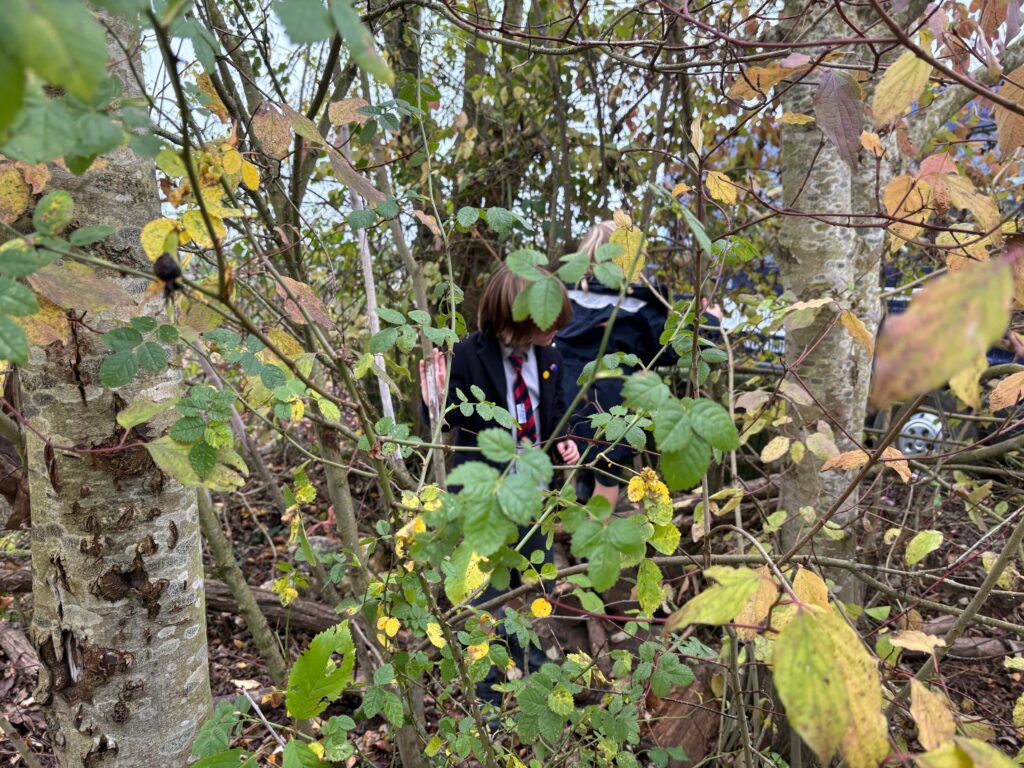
(839, 111)
(315, 680)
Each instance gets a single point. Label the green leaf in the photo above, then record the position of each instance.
(383, 340)
(16, 299)
(362, 218)
(536, 718)
(497, 445)
(144, 324)
(520, 499)
(219, 434)
(547, 299)
(574, 267)
(118, 369)
(390, 316)
(305, 21)
(360, 42)
(645, 391)
(609, 274)
(683, 469)
(719, 603)
(591, 541)
(670, 672)
(698, 231)
(711, 421)
(476, 478)
(467, 216)
(337, 747)
(151, 356)
(13, 342)
(484, 528)
(524, 263)
(810, 685)
(12, 89)
(315, 680)
(60, 41)
(141, 411)
(44, 130)
(19, 260)
(121, 339)
(203, 458)
(500, 220)
(215, 734)
(188, 429)
(53, 212)
(167, 334)
(922, 545)
(535, 464)
(648, 587)
(229, 759)
(272, 377)
(297, 754)
(672, 427)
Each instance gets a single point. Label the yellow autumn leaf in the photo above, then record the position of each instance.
(963, 194)
(721, 187)
(895, 461)
(680, 189)
(14, 194)
(155, 238)
(250, 175)
(935, 724)
(858, 458)
(435, 635)
(795, 118)
(966, 382)
(389, 625)
(810, 589)
(909, 201)
(758, 607)
(195, 228)
(540, 608)
(697, 134)
(478, 651)
(858, 331)
(47, 325)
(1010, 125)
(213, 101)
(622, 219)
(916, 640)
(1007, 392)
(901, 85)
(962, 248)
(872, 143)
(232, 161)
(777, 448)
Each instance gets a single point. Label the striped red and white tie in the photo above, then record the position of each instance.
(524, 406)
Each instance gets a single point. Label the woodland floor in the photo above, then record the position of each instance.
(981, 687)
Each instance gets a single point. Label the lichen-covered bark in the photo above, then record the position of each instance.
(118, 615)
(819, 259)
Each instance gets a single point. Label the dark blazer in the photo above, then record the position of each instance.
(477, 360)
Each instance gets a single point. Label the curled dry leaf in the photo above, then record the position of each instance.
(891, 457)
(1007, 393)
(858, 331)
(916, 640)
(429, 222)
(872, 143)
(310, 302)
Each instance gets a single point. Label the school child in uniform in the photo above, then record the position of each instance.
(638, 327)
(516, 366)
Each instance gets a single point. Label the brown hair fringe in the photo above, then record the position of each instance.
(494, 314)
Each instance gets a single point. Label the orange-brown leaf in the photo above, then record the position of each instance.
(1007, 392)
(1010, 125)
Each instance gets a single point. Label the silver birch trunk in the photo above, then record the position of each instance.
(118, 614)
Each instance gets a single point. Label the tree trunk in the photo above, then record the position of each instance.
(820, 259)
(118, 614)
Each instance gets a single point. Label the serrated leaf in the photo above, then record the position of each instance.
(683, 469)
(672, 430)
(645, 391)
(13, 342)
(547, 299)
(151, 356)
(118, 369)
(202, 457)
(1010, 125)
(712, 422)
(315, 679)
(360, 42)
(497, 445)
(305, 21)
(467, 216)
(648, 587)
(16, 299)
